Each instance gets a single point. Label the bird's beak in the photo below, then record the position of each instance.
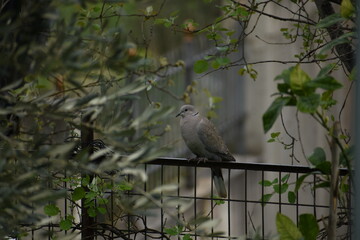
(178, 114)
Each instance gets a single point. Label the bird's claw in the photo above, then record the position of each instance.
(198, 159)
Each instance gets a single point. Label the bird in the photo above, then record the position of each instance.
(202, 138)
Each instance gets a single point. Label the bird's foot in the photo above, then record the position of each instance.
(198, 159)
(201, 159)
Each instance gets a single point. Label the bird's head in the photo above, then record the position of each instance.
(187, 110)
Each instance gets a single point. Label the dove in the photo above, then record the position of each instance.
(202, 138)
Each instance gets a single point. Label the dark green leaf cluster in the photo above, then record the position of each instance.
(298, 89)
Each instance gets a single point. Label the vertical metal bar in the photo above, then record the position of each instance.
(262, 207)
(145, 218)
(297, 203)
(280, 186)
(128, 215)
(350, 209)
(212, 199)
(246, 207)
(178, 192)
(161, 200)
(112, 208)
(314, 202)
(195, 197)
(229, 203)
(65, 199)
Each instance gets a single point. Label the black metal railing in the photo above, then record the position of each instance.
(256, 192)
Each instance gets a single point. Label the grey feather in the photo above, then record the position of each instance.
(202, 138)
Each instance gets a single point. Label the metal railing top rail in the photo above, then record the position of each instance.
(171, 161)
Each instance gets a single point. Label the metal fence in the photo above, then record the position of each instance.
(244, 213)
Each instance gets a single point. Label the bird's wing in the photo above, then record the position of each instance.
(212, 140)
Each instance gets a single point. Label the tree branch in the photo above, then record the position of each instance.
(345, 50)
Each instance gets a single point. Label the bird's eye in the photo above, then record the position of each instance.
(186, 110)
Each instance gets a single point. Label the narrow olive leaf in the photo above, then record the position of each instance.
(201, 66)
(308, 226)
(326, 70)
(330, 20)
(273, 112)
(317, 157)
(286, 228)
(309, 103)
(340, 40)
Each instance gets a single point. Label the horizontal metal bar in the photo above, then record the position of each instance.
(238, 165)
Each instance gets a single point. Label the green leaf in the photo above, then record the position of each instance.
(187, 237)
(317, 157)
(298, 78)
(275, 134)
(309, 103)
(347, 10)
(201, 66)
(291, 197)
(340, 40)
(324, 167)
(218, 200)
(285, 178)
(283, 87)
(92, 212)
(85, 180)
(285, 75)
(174, 230)
(286, 228)
(78, 193)
(266, 197)
(51, 210)
(215, 64)
(324, 184)
(329, 20)
(125, 186)
(273, 112)
(281, 188)
(308, 226)
(65, 224)
(101, 210)
(326, 70)
(299, 182)
(325, 82)
(223, 60)
(265, 183)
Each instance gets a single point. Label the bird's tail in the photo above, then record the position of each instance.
(219, 182)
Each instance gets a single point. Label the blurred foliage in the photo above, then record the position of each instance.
(59, 65)
(76, 116)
